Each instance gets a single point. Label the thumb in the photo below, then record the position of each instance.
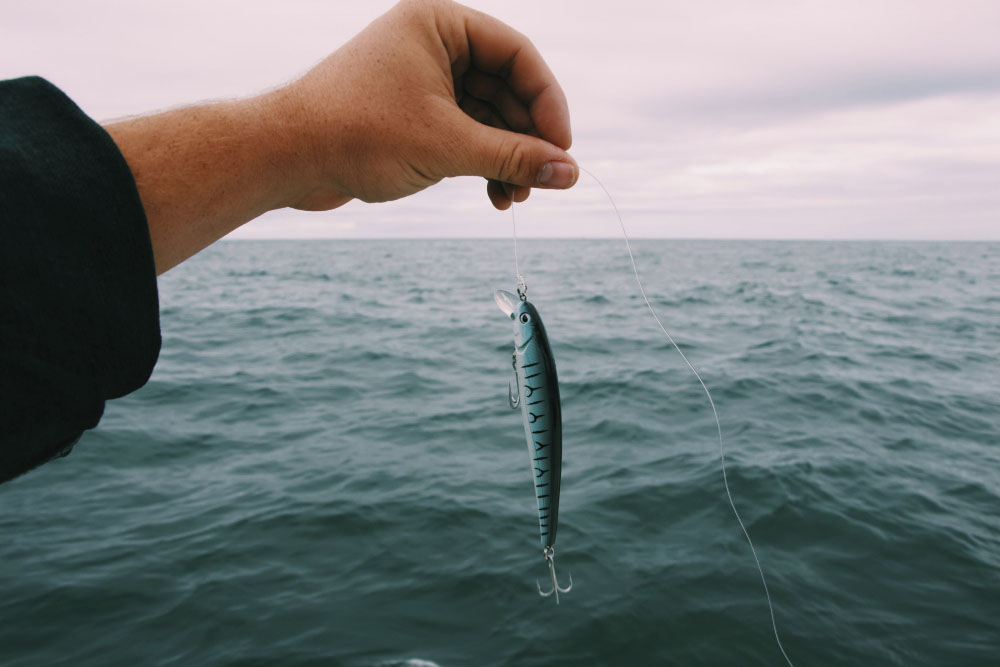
(513, 157)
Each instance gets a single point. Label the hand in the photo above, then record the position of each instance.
(430, 90)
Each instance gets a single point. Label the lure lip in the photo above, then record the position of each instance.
(506, 302)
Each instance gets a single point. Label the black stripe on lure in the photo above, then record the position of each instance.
(538, 396)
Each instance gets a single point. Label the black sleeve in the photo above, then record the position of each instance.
(79, 318)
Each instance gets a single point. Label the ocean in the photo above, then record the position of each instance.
(324, 470)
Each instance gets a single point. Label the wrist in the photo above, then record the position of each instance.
(295, 159)
(271, 137)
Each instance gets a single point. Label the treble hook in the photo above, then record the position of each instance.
(550, 559)
(513, 400)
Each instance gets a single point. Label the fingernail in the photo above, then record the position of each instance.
(556, 175)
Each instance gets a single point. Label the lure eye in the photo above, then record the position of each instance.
(525, 318)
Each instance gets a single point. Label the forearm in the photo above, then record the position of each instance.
(202, 171)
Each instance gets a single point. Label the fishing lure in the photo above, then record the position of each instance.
(536, 380)
(538, 396)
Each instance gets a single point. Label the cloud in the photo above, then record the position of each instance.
(817, 92)
(724, 118)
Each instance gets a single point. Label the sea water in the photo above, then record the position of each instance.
(323, 469)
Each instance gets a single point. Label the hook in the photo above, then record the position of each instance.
(513, 400)
(550, 559)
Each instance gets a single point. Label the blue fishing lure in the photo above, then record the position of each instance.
(538, 397)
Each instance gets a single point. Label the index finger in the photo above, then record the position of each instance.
(496, 48)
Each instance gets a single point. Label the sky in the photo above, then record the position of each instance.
(704, 119)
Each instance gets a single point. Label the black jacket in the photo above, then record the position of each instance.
(79, 320)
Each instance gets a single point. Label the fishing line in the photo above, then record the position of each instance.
(513, 226)
(522, 288)
(711, 401)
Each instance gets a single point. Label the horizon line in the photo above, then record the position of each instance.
(616, 238)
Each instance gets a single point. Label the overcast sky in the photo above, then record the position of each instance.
(707, 119)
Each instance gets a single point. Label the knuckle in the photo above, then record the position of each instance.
(512, 159)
